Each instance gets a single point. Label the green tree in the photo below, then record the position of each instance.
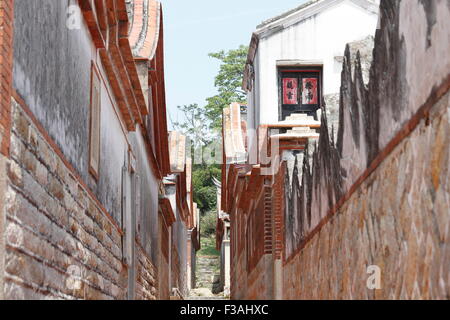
(202, 125)
(228, 83)
(195, 125)
(205, 192)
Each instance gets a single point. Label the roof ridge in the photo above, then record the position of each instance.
(303, 6)
(287, 13)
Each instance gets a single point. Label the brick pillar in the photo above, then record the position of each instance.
(6, 58)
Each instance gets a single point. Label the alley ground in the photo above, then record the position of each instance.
(207, 274)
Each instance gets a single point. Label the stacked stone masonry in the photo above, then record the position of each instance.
(59, 243)
(147, 283)
(398, 220)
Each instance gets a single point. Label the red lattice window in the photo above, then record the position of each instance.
(300, 90)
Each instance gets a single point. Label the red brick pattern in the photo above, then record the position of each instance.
(146, 276)
(255, 237)
(6, 60)
(405, 236)
(268, 229)
(59, 243)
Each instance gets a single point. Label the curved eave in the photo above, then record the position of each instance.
(145, 28)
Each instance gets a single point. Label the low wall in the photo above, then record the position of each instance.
(397, 220)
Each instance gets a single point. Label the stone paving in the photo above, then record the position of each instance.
(207, 273)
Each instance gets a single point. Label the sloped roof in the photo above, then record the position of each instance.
(145, 27)
(287, 13)
(312, 7)
(292, 17)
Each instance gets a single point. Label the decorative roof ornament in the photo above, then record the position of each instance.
(145, 27)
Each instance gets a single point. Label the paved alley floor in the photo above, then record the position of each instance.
(207, 279)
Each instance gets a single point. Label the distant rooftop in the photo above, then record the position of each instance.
(287, 13)
(304, 6)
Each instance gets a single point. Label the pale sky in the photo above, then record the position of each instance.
(192, 29)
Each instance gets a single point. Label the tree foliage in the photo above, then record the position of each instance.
(208, 223)
(228, 83)
(205, 192)
(201, 125)
(195, 125)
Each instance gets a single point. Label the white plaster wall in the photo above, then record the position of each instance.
(321, 37)
(425, 67)
(114, 149)
(226, 265)
(147, 216)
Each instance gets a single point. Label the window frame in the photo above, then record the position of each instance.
(95, 75)
(299, 69)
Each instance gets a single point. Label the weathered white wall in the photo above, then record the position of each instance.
(321, 37)
(52, 73)
(114, 148)
(147, 209)
(226, 266)
(178, 240)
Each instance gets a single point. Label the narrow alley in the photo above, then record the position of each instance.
(176, 151)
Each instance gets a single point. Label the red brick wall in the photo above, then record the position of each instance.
(238, 277)
(256, 234)
(6, 56)
(253, 241)
(146, 276)
(60, 244)
(259, 284)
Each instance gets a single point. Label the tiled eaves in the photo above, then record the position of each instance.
(129, 62)
(109, 20)
(156, 81)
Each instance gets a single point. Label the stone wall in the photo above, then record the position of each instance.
(398, 219)
(60, 242)
(146, 276)
(378, 192)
